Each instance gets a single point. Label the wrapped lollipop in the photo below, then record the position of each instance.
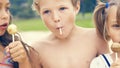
(12, 29)
(116, 48)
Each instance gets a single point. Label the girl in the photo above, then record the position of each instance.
(12, 54)
(107, 20)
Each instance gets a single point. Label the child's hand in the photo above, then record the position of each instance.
(17, 51)
(115, 64)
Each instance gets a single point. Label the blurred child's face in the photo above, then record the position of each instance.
(4, 15)
(58, 14)
(113, 26)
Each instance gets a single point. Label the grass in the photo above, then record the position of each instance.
(30, 25)
(85, 21)
(37, 25)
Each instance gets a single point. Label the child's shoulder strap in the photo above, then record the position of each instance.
(106, 60)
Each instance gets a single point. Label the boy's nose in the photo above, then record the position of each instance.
(56, 17)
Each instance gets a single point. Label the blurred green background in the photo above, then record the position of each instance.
(27, 20)
(36, 24)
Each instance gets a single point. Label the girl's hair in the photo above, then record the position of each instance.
(100, 16)
(36, 5)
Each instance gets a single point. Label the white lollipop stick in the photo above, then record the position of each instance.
(60, 29)
(13, 38)
(116, 56)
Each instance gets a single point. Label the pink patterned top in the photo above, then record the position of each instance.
(6, 62)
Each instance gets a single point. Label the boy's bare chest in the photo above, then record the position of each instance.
(68, 56)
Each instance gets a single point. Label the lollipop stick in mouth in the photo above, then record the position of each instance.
(60, 29)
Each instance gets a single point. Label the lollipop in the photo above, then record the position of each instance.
(115, 48)
(12, 29)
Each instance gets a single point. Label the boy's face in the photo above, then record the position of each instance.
(4, 15)
(113, 26)
(58, 14)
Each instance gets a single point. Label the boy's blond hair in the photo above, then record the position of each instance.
(36, 6)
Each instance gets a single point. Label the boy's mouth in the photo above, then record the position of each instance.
(60, 30)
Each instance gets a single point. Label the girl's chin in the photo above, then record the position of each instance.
(2, 32)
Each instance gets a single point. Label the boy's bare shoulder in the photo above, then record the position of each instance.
(88, 31)
(41, 43)
(102, 45)
(92, 32)
(92, 35)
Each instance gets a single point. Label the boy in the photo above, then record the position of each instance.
(68, 46)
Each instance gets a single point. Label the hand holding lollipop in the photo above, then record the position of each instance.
(116, 48)
(17, 50)
(12, 29)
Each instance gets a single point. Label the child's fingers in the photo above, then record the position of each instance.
(13, 44)
(18, 53)
(19, 58)
(16, 48)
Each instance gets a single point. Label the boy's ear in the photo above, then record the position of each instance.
(77, 8)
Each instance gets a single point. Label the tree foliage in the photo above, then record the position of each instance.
(87, 5)
(22, 8)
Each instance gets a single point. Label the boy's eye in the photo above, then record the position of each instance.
(62, 8)
(46, 11)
